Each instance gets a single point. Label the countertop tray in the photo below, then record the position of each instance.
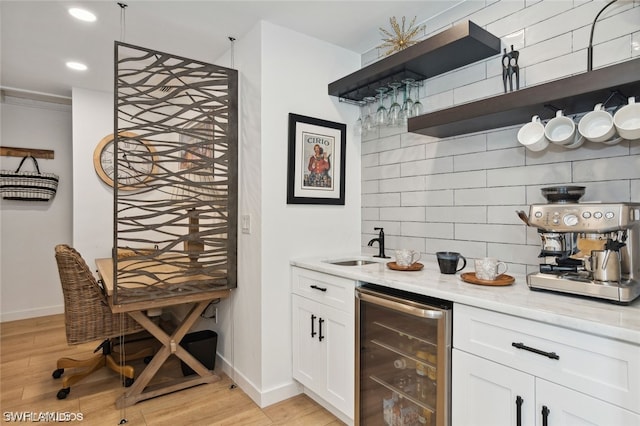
(415, 267)
(501, 280)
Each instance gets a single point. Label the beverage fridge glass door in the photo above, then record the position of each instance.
(403, 364)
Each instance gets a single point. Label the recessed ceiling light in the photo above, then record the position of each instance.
(82, 14)
(76, 66)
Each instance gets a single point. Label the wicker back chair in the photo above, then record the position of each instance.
(89, 318)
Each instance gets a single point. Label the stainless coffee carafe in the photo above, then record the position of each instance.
(604, 265)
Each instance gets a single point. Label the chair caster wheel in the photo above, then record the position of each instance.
(62, 393)
(147, 359)
(57, 373)
(127, 382)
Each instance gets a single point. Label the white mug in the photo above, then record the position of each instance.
(406, 257)
(531, 135)
(560, 130)
(487, 268)
(597, 125)
(627, 120)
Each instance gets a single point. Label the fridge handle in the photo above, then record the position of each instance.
(398, 306)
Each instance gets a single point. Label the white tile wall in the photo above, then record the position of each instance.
(461, 193)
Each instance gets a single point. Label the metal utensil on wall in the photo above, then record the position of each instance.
(523, 217)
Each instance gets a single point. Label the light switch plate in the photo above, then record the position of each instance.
(245, 223)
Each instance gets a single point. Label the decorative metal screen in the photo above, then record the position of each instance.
(175, 201)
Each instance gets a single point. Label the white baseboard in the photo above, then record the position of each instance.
(339, 414)
(31, 313)
(261, 398)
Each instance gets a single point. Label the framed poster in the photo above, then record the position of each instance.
(316, 161)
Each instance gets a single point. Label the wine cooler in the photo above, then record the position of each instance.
(403, 365)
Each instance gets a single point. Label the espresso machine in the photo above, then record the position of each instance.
(588, 249)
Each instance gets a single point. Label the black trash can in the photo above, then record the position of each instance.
(202, 345)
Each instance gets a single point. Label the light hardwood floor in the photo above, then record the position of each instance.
(28, 353)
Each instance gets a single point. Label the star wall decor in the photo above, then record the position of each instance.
(398, 38)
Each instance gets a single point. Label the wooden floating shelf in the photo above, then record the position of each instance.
(453, 48)
(576, 94)
(8, 151)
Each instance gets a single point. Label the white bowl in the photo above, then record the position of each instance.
(627, 120)
(560, 130)
(597, 125)
(531, 135)
(578, 141)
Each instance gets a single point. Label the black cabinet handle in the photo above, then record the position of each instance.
(313, 319)
(545, 415)
(519, 402)
(315, 287)
(320, 336)
(551, 355)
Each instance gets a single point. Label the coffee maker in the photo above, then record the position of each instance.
(588, 249)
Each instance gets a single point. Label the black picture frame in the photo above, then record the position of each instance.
(317, 161)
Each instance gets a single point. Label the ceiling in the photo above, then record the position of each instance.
(39, 37)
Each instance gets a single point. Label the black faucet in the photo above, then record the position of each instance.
(380, 241)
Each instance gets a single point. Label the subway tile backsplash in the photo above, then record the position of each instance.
(462, 193)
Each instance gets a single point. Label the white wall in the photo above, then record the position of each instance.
(93, 199)
(281, 71)
(296, 70)
(461, 193)
(29, 281)
(239, 316)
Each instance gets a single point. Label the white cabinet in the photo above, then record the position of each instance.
(508, 370)
(485, 393)
(323, 337)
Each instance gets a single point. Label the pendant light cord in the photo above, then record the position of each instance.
(593, 27)
(121, 339)
(232, 53)
(123, 21)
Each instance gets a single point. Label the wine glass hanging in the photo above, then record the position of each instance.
(374, 114)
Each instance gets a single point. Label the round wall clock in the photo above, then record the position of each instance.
(137, 161)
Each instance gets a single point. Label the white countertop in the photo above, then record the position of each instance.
(591, 316)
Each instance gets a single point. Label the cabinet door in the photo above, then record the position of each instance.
(486, 394)
(566, 407)
(323, 352)
(339, 340)
(308, 358)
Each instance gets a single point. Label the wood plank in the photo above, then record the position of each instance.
(10, 151)
(207, 404)
(575, 94)
(460, 45)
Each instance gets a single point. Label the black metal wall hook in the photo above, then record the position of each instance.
(622, 100)
(554, 109)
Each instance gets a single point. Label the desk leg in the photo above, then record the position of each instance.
(170, 345)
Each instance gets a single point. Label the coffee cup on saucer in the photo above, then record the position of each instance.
(406, 257)
(488, 268)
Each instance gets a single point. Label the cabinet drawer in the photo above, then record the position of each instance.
(328, 289)
(604, 368)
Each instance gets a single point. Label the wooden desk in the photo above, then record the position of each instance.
(140, 390)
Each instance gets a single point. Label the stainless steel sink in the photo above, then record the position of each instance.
(350, 262)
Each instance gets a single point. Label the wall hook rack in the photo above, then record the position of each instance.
(9, 151)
